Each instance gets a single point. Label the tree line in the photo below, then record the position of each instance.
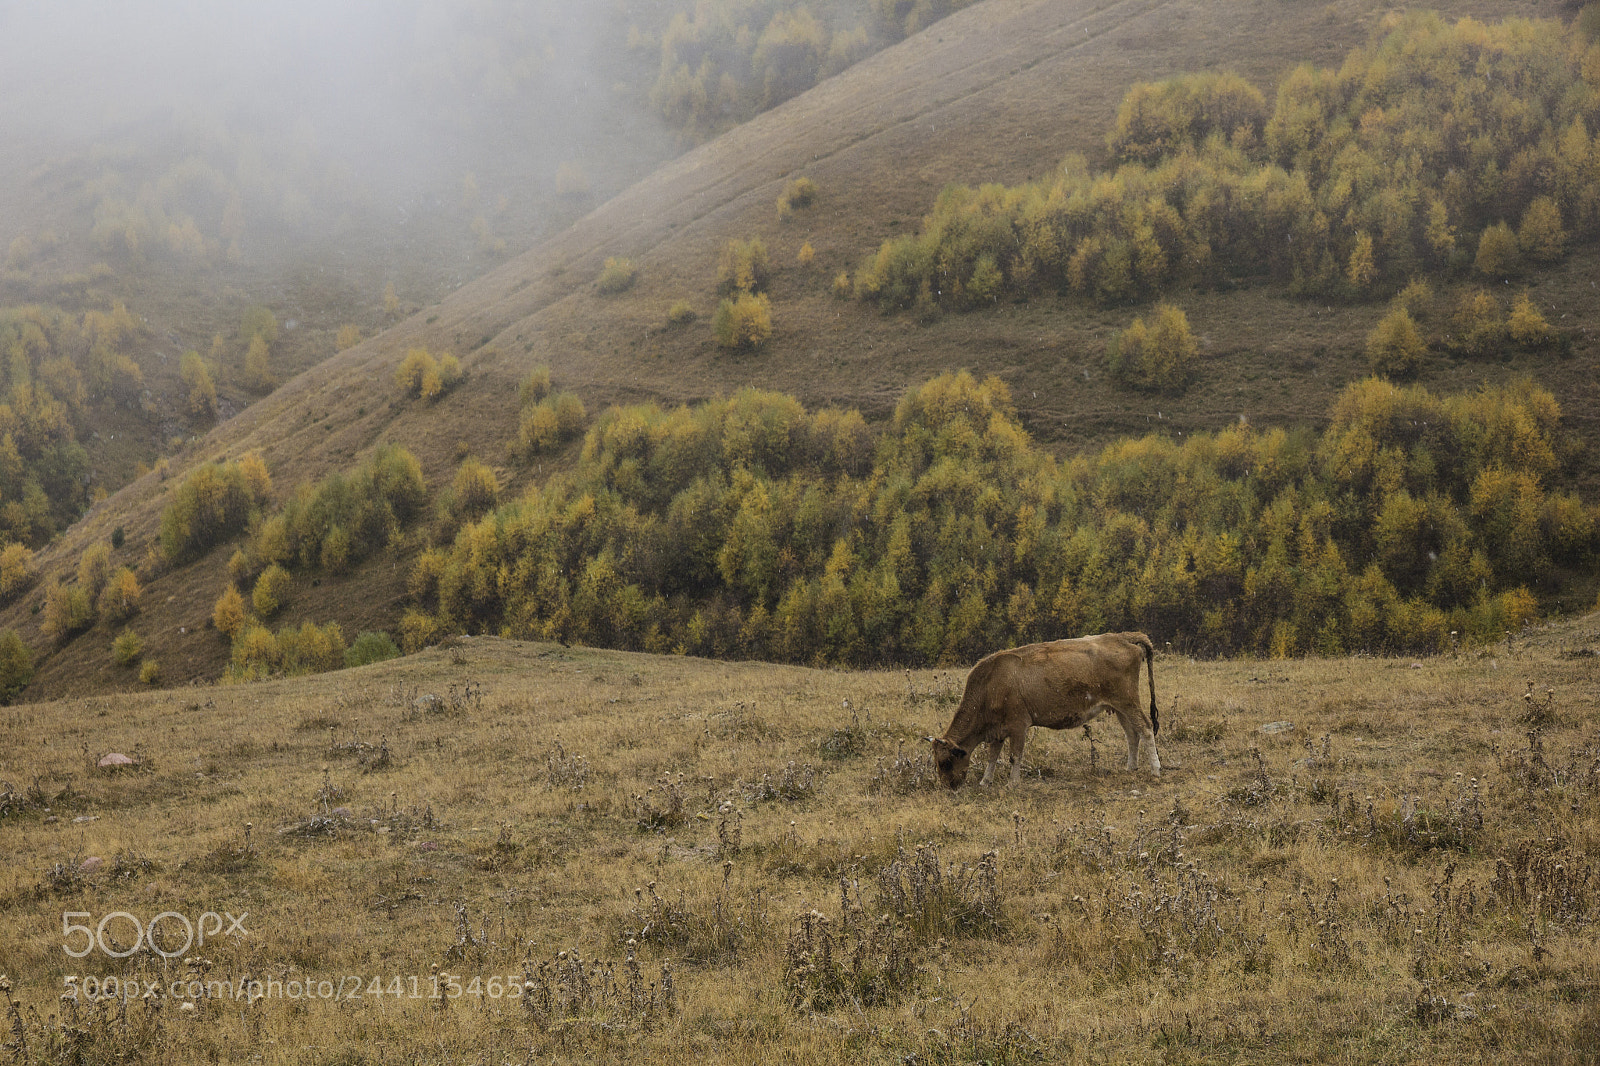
(1457, 148)
(726, 61)
(55, 367)
(749, 526)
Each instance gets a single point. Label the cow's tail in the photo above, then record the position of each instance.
(1150, 671)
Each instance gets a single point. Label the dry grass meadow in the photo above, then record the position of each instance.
(622, 857)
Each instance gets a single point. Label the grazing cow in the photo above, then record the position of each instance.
(1061, 685)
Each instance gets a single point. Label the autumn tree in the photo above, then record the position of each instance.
(421, 376)
(1541, 237)
(228, 613)
(16, 665)
(742, 267)
(743, 321)
(202, 399)
(258, 376)
(1526, 324)
(616, 275)
(476, 488)
(1499, 254)
(271, 590)
(1395, 348)
(119, 599)
(1158, 356)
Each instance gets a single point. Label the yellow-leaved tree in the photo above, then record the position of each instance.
(1160, 355)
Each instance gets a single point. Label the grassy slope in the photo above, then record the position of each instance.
(545, 848)
(997, 92)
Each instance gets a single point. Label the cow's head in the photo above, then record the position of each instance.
(951, 762)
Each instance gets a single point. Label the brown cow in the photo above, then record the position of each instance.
(1060, 685)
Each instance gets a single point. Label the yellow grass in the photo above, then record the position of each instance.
(1232, 910)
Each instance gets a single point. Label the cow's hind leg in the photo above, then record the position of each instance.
(994, 757)
(1140, 735)
(1130, 730)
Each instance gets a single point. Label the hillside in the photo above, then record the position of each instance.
(664, 859)
(996, 92)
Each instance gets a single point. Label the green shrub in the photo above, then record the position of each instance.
(743, 322)
(1542, 237)
(334, 556)
(742, 267)
(214, 502)
(258, 321)
(271, 591)
(202, 398)
(799, 194)
(67, 611)
(570, 413)
(1479, 325)
(1160, 119)
(342, 519)
(535, 387)
(548, 425)
(16, 665)
(421, 376)
(94, 568)
(1395, 348)
(150, 672)
(227, 614)
(475, 488)
(126, 649)
(1588, 21)
(1158, 356)
(681, 313)
(617, 275)
(119, 599)
(1526, 325)
(1416, 300)
(370, 647)
(16, 570)
(1499, 254)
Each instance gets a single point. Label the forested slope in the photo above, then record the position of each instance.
(618, 308)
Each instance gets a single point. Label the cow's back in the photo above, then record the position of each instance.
(1062, 680)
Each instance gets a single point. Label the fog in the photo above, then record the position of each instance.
(398, 98)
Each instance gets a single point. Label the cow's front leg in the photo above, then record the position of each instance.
(994, 757)
(1019, 739)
